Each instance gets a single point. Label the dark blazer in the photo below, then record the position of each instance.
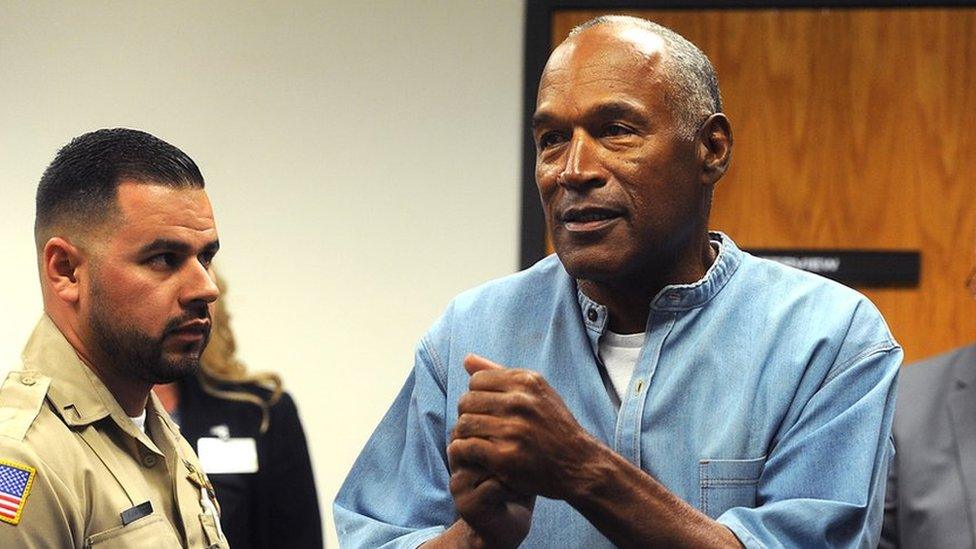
(277, 506)
(931, 497)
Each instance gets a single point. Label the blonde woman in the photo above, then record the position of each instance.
(246, 430)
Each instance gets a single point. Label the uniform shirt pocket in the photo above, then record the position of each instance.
(728, 483)
(149, 532)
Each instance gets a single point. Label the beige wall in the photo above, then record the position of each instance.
(362, 157)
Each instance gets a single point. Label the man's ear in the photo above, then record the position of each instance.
(59, 270)
(715, 147)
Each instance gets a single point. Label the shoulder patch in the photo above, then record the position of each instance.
(21, 398)
(15, 484)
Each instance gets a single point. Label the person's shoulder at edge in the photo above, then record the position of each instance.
(942, 365)
(32, 435)
(924, 385)
(283, 410)
(27, 417)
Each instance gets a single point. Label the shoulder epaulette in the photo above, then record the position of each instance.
(21, 397)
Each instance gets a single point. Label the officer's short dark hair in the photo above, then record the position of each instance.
(79, 187)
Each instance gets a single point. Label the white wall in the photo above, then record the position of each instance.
(362, 158)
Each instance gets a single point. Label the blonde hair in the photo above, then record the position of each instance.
(220, 369)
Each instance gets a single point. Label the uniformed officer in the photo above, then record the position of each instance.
(88, 457)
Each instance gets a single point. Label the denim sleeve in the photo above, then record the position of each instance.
(824, 481)
(397, 493)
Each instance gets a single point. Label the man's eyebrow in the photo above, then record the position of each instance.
(610, 109)
(541, 118)
(178, 246)
(617, 109)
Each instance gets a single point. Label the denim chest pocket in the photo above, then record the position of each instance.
(728, 483)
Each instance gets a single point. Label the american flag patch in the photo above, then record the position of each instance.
(15, 484)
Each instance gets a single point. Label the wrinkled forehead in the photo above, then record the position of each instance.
(608, 51)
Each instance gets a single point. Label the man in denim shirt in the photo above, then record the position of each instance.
(650, 384)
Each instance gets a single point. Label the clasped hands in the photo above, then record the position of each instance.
(514, 439)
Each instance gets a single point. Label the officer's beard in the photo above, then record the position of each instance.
(131, 352)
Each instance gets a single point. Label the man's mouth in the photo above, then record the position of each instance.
(589, 218)
(192, 331)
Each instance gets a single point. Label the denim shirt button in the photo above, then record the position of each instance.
(592, 315)
(674, 296)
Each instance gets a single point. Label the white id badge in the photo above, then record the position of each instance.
(232, 455)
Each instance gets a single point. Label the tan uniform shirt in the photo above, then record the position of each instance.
(89, 470)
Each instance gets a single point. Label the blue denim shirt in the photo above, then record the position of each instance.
(763, 396)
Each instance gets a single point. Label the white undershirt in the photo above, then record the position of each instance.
(619, 354)
(140, 421)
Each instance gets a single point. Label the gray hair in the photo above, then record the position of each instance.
(694, 85)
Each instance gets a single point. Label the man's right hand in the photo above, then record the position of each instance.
(492, 516)
(496, 516)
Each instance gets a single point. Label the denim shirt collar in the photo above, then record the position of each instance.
(674, 297)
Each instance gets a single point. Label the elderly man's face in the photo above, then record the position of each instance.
(619, 184)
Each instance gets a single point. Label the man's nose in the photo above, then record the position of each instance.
(581, 168)
(200, 285)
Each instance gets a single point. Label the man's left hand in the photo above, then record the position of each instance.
(515, 425)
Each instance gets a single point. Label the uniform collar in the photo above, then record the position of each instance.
(677, 297)
(78, 396)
